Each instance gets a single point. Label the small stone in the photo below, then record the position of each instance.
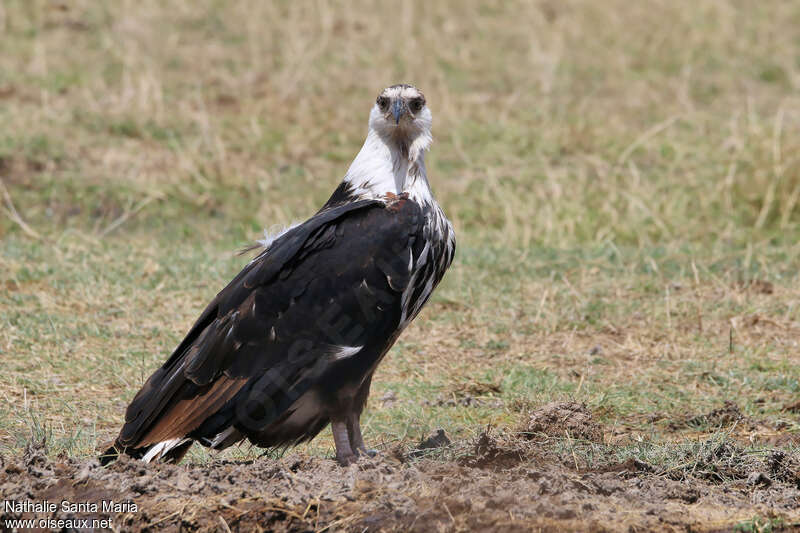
(758, 478)
(388, 398)
(438, 439)
(82, 474)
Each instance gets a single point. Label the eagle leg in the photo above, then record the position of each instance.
(356, 440)
(344, 453)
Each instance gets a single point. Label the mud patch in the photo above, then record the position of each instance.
(493, 483)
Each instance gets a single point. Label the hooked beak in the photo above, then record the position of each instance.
(399, 109)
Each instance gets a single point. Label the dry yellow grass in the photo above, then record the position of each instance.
(618, 173)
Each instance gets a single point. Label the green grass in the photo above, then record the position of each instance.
(624, 181)
(760, 524)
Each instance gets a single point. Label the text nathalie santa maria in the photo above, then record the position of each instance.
(66, 506)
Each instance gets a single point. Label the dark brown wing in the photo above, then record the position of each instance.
(246, 342)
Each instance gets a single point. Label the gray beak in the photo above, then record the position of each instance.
(399, 109)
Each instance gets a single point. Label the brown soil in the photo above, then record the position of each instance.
(563, 419)
(494, 483)
(722, 416)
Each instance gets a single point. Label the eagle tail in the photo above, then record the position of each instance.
(169, 451)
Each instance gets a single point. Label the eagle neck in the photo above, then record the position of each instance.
(386, 164)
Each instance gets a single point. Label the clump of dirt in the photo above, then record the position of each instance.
(722, 417)
(488, 453)
(758, 286)
(628, 468)
(563, 419)
(469, 394)
(739, 426)
(477, 388)
(464, 400)
(726, 415)
(501, 483)
(793, 407)
(783, 467)
(438, 439)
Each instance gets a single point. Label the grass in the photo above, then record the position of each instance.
(624, 180)
(759, 524)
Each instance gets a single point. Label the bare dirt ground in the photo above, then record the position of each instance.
(511, 480)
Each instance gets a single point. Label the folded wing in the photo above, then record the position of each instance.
(321, 293)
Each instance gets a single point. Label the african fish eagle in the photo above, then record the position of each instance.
(292, 342)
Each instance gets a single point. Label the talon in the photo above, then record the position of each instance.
(347, 460)
(363, 450)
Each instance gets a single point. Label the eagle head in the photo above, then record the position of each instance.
(400, 114)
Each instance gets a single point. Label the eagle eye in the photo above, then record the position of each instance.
(382, 102)
(416, 104)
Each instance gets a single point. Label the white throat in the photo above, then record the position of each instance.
(382, 166)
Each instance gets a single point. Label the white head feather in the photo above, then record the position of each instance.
(392, 157)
